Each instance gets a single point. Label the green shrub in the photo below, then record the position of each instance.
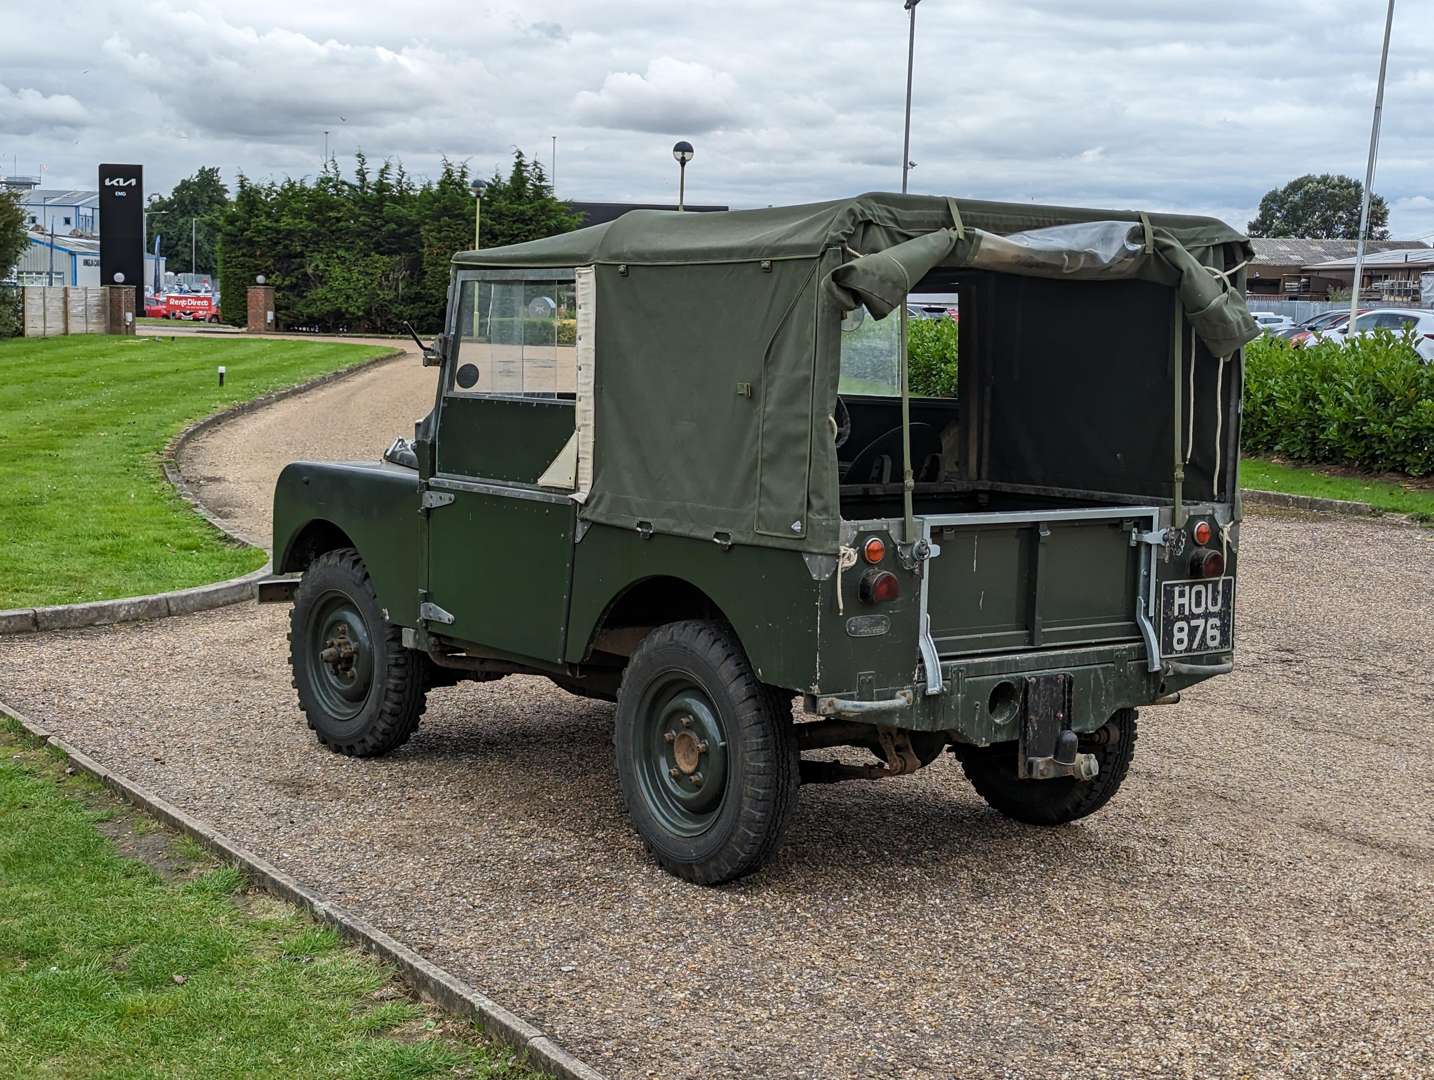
(1367, 402)
(931, 354)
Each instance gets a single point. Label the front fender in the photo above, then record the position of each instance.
(372, 506)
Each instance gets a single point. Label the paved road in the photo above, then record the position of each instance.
(234, 467)
(1258, 900)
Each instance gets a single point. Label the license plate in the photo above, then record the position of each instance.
(1197, 616)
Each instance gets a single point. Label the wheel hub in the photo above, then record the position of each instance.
(687, 750)
(339, 653)
(685, 775)
(340, 656)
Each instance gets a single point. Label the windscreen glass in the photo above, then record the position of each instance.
(516, 338)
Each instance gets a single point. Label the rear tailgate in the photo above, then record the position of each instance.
(1032, 579)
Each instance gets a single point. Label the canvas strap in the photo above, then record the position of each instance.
(956, 219)
(1149, 233)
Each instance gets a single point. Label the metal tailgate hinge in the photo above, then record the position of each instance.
(1170, 541)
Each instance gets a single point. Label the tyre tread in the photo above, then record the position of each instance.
(403, 688)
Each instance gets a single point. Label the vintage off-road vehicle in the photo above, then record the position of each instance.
(673, 462)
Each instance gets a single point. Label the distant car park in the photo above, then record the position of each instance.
(1305, 329)
(1395, 320)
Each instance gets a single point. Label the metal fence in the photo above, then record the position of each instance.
(1299, 310)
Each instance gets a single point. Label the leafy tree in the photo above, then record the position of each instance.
(1324, 207)
(523, 207)
(369, 252)
(13, 235)
(195, 206)
(13, 241)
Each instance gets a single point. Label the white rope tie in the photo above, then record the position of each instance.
(1219, 422)
(846, 559)
(1190, 438)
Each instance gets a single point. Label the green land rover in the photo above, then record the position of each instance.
(673, 463)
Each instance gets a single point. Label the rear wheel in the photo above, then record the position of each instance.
(1054, 802)
(706, 754)
(360, 689)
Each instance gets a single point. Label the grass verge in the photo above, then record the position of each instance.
(1387, 495)
(112, 966)
(85, 511)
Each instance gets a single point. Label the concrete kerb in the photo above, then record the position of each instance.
(179, 601)
(427, 979)
(1285, 500)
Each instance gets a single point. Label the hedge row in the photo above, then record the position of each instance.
(1366, 403)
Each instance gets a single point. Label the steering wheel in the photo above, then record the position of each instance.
(841, 423)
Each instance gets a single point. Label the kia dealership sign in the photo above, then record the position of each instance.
(122, 227)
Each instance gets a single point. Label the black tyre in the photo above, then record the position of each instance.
(1054, 802)
(706, 754)
(360, 689)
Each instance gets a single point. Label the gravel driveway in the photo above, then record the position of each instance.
(1258, 900)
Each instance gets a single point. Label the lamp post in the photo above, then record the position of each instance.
(477, 187)
(910, 58)
(1369, 174)
(682, 153)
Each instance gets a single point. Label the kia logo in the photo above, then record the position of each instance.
(120, 181)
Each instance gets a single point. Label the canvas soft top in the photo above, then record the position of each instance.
(713, 355)
(865, 223)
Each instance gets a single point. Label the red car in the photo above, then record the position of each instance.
(154, 307)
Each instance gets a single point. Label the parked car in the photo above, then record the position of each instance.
(702, 517)
(1396, 320)
(1324, 320)
(154, 307)
(1271, 323)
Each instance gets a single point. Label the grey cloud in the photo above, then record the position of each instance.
(671, 96)
(26, 111)
(1170, 106)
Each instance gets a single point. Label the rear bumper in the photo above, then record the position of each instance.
(975, 705)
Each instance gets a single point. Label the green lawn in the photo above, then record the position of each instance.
(108, 969)
(1295, 480)
(85, 512)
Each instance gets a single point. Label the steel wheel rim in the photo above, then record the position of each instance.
(682, 751)
(340, 656)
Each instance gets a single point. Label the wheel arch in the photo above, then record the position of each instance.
(646, 603)
(314, 538)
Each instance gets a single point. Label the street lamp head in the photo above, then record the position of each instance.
(478, 187)
(259, 279)
(682, 152)
(910, 4)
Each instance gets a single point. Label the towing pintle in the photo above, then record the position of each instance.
(1048, 747)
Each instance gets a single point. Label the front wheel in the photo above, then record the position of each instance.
(360, 689)
(1054, 802)
(707, 759)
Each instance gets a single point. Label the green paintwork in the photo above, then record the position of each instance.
(501, 566)
(715, 491)
(1000, 587)
(766, 594)
(519, 436)
(375, 505)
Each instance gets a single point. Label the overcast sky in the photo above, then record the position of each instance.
(1196, 107)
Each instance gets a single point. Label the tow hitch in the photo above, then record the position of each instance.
(1048, 747)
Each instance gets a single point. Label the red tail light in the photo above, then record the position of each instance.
(1201, 532)
(1207, 564)
(874, 550)
(878, 587)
